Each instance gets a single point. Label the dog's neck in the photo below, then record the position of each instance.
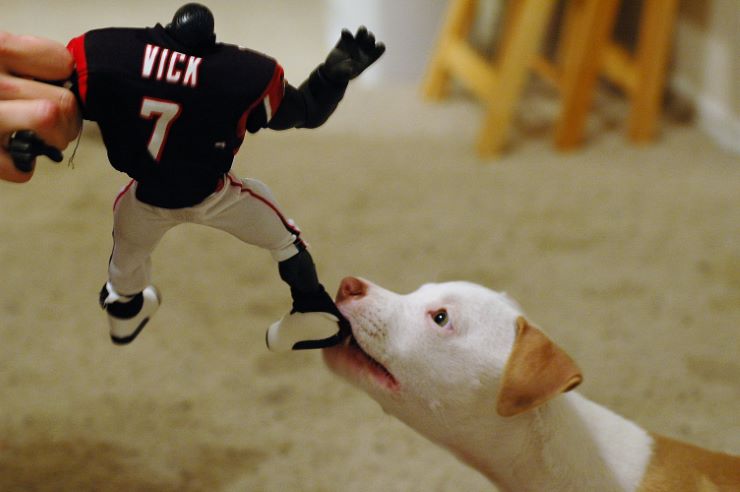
(567, 444)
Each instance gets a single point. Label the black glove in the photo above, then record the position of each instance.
(352, 55)
(25, 146)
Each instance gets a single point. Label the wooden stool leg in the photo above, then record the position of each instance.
(524, 36)
(653, 51)
(570, 31)
(581, 67)
(458, 20)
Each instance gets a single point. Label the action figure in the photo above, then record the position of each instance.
(173, 106)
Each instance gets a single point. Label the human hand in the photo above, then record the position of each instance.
(352, 55)
(49, 111)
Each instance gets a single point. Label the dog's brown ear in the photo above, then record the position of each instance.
(537, 370)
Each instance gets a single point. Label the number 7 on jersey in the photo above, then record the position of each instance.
(164, 113)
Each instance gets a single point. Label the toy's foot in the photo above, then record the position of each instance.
(301, 331)
(127, 319)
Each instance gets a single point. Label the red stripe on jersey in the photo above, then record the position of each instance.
(274, 93)
(271, 98)
(77, 48)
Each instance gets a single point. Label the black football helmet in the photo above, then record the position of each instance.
(193, 26)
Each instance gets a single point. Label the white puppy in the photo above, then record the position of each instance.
(460, 364)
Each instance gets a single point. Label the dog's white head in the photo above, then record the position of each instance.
(449, 351)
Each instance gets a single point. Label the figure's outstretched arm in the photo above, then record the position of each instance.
(311, 104)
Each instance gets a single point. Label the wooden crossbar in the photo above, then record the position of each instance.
(586, 52)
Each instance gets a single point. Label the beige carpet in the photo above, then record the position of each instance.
(628, 257)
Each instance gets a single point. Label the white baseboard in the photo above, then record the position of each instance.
(715, 118)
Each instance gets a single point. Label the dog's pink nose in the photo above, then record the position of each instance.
(350, 288)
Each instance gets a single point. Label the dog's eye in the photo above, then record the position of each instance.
(440, 317)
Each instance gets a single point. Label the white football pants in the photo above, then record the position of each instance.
(244, 208)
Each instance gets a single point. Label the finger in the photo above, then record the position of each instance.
(68, 120)
(9, 172)
(41, 116)
(347, 39)
(373, 54)
(18, 115)
(368, 43)
(19, 88)
(34, 57)
(378, 51)
(361, 35)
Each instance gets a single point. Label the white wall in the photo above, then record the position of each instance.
(409, 28)
(707, 65)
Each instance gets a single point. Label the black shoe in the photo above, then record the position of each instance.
(313, 323)
(127, 319)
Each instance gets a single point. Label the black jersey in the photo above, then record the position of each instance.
(170, 118)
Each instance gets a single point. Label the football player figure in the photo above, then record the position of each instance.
(173, 106)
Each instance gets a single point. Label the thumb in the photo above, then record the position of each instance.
(377, 52)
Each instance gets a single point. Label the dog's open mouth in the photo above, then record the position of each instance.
(359, 361)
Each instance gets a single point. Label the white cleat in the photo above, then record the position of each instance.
(127, 319)
(299, 331)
